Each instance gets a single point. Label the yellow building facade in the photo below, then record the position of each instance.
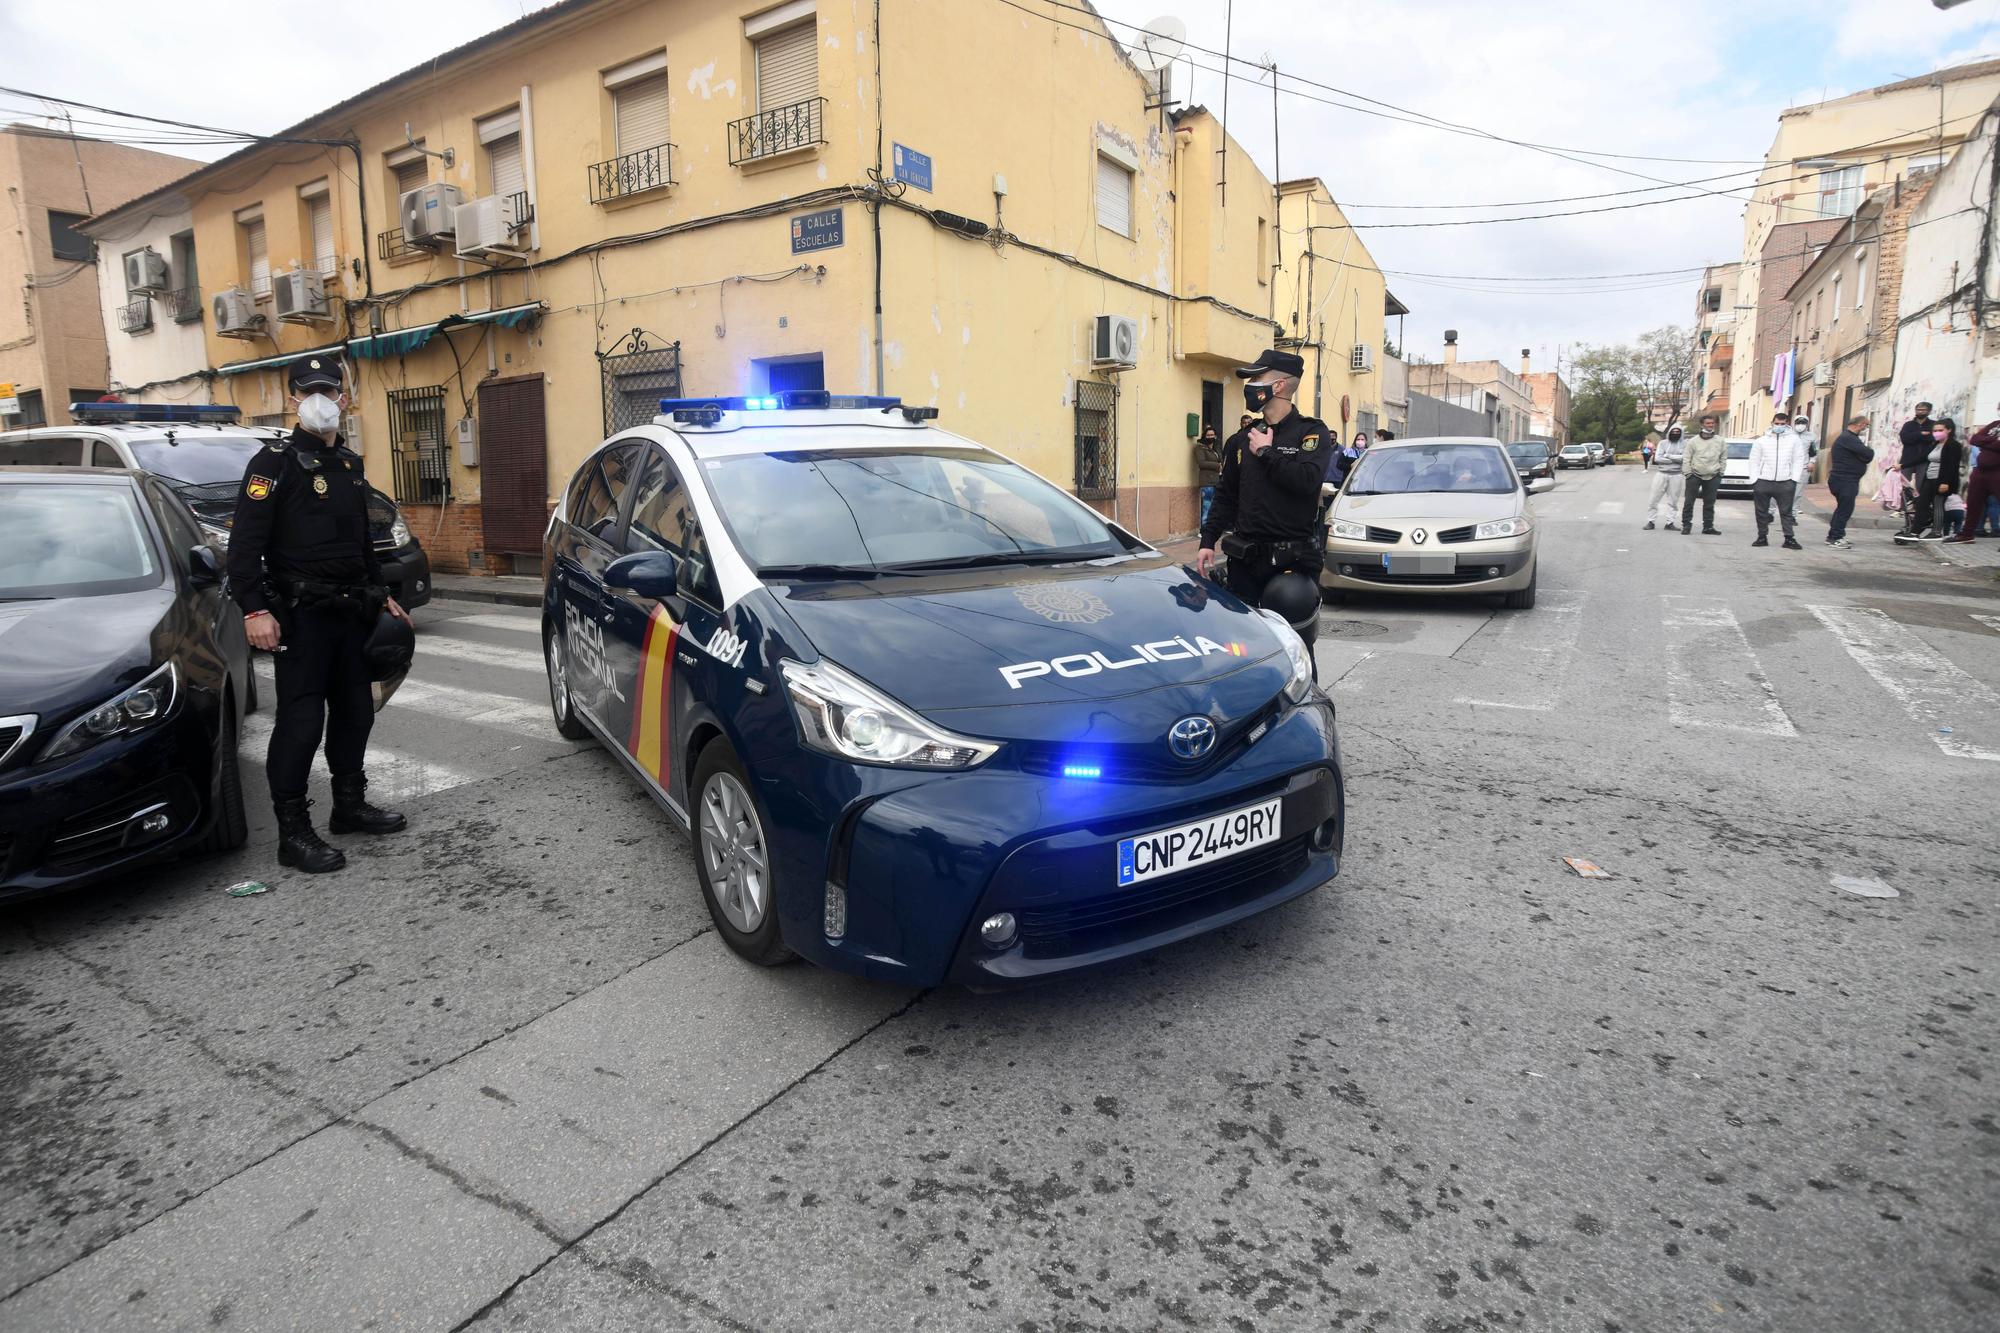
(1332, 301)
(696, 188)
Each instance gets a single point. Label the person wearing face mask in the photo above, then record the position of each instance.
(1915, 438)
(304, 570)
(1984, 482)
(1268, 498)
(1808, 451)
(1937, 478)
(1208, 466)
(1701, 476)
(1775, 462)
(1666, 464)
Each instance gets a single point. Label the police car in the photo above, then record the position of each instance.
(925, 716)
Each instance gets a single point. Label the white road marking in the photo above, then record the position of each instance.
(1930, 689)
(1531, 649)
(431, 645)
(1610, 506)
(435, 699)
(1991, 622)
(526, 623)
(1713, 676)
(392, 776)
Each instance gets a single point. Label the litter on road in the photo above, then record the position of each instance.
(246, 888)
(1586, 869)
(1866, 888)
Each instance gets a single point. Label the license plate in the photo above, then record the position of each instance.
(1216, 838)
(1420, 564)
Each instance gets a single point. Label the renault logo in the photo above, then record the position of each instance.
(1419, 536)
(1191, 737)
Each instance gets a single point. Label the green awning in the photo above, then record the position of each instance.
(282, 359)
(401, 342)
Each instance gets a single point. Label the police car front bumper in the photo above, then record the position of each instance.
(917, 866)
(407, 571)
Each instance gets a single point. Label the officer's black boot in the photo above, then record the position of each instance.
(298, 845)
(353, 814)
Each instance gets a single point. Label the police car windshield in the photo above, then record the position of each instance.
(1423, 468)
(803, 511)
(73, 541)
(195, 459)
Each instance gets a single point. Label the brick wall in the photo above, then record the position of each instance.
(456, 543)
(1788, 251)
(1886, 276)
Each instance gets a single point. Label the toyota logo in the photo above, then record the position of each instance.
(1191, 737)
(1419, 536)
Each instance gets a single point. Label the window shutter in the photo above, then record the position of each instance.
(642, 114)
(505, 156)
(1114, 196)
(260, 259)
(413, 175)
(320, 210)
(788, 67)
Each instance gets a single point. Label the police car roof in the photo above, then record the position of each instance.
(737, 434)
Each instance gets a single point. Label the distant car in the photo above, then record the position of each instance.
(123, 678)
(1600, 453)
(1441, 515)
(1736, 469)
(1575, 455)
(201, 452)
(1532, 458)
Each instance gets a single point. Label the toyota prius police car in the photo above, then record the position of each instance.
(925, 716)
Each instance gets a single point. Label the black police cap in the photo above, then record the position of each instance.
(1285, 363)
(310, 374)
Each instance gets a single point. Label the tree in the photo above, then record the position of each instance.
(1608, 412)
(1664, 364)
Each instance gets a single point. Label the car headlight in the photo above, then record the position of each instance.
(216, 534)
(1349, 532)
(840, 716)
(1506, 527)
(136, 709)
(1299, 688)
(399, 532)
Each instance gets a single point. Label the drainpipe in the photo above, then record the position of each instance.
(528, 163)
(875, 213)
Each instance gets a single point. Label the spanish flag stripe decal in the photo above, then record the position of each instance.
(649, 742)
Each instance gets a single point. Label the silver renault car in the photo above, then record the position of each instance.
(1446, 514)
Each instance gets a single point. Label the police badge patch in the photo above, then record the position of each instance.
(1309, 443)
(1065, 606)
(319, 485)
(257, 488)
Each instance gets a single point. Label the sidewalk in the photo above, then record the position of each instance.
(503, 589)
(1870, 518)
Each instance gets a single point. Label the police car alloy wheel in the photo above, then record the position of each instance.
(559, 702)
(733, 858)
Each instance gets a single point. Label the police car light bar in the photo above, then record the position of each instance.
(218, 415)
(791, 400)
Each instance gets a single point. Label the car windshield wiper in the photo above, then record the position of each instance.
(826, 571)
(27, 599)
(991, 559)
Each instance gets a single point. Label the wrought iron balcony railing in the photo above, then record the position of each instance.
(392, 245)
(524, 212)
(184, 303)
(768, 133)
(136, 315)
(634, 173)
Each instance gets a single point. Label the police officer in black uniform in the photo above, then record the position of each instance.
(1268, 497)
(304, 570)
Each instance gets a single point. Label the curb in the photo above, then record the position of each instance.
(481, 596)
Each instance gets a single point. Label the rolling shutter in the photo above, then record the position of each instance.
(319, 210)
(260, 258)
(411, 175)
(788, 67)
(642, 114)
(505, 156)
(1114, 196)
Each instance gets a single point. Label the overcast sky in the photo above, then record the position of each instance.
(1695, 79)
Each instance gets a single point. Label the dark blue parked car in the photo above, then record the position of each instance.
(926, 716)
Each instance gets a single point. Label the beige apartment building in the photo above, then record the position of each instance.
(52, 346)
(1714, 343)
(1550, 395)
(1826, 159)
(1504, 397)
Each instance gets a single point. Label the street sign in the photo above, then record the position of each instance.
(913, 168)
(10, 406)
(817, 231)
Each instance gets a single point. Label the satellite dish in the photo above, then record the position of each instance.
(1159, 42)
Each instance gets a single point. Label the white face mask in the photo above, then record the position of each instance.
(319, 414)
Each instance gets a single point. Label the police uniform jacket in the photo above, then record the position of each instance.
(1272, 497)
(302, 514)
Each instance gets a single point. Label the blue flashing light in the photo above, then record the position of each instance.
(1083, 771)
(792, 400)
(190, 413)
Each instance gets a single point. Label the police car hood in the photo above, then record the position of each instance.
(63, 656)
(1014, 637)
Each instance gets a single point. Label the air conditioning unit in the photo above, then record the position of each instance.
(1114, 341)
(1362, 358)
(485, 224)
(427, 212)
(236, 314)
(1823, 373)
(145, 271)
(300, 297)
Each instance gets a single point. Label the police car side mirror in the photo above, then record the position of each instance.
(204, 565)
(1541, 484)
(653, 574)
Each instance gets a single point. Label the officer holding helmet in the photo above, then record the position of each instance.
(1268, 497)
(304, 570)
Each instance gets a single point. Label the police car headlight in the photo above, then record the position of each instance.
(1506, 527)
(399, 532)
(136, 709)
(1350, 532)
(840, 716)
(216, 534)
(1299, 688)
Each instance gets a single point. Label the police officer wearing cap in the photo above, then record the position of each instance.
(1268, 497)
(304, 570)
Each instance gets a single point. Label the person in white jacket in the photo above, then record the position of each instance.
(1777, 460)
(1802, 427)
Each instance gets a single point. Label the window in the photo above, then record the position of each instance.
(319, 226)
(186, 298)
(1860, 278)
(594, 503)
(1839, 191)
(1096, 441)
(640, 111)
(1712, 299)
(66, 240)
(787, 64)
(257, 258)
(1836, 296)
(500, 136)
(102, 454)
(635, 379)
(1114, 195)
(663, 520)
(1923, 165)
(417, 446)
(182, 533)
(42, 452)
(32, 413)
(409, 170)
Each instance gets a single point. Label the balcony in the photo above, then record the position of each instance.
(136, 315)
(393, 247)
(523, 211)
(634, 173)
(783, 130)
(184, 304)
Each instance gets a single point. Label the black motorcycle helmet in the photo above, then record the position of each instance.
(1296, 598)
(392, 646)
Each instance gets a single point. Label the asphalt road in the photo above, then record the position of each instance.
(500, 1072)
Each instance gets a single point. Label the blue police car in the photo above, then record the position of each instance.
(925, 716)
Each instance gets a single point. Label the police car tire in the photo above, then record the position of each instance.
(554, 659)
(764, 946)
(230, 828)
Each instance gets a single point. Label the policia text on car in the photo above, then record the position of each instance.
(1267, 499)
(303, 569)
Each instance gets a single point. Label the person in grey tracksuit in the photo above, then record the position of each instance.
(1666, 490)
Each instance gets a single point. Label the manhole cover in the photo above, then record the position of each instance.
(1350, 629)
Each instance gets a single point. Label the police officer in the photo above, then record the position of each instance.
(1268, 497)
(303, 569)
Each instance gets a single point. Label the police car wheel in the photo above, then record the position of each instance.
(732, 855)
(559, 701)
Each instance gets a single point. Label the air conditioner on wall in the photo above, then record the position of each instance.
(484, 224)
(300, 297)
(1362, 359)
(427, 212)
(1114, 341)
(145, 271)
(1823, 373)
(236, 314)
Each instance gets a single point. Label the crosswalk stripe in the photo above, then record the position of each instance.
(1610, 506)
(1991, 622)
(431, 645)
(436, 699)
(1930, 689)
(392, 775)
(525, 623)
(1544, 639)
(1713, 676)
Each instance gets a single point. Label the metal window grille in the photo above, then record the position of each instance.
(418, 450)
(1096, 441)
(779, 130)
(638, 372)
(136, 315)
(185, 303)
(633, 173)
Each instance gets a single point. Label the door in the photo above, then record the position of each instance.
(514, 469)
(582, 547)
(1211, 409)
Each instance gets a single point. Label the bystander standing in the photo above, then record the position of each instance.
(1208, 465)
(1982, 488)
(1851, 457)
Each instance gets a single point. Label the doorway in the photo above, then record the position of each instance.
(1211, 408)
(780, 374)
(514, 473)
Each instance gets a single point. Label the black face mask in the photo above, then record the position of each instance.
(1255, 396)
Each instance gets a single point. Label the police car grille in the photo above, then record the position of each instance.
(1463, 534)
(1376, 574)
(1387, 535)
(1142, 763)
(10, 736)
(1089, 923)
